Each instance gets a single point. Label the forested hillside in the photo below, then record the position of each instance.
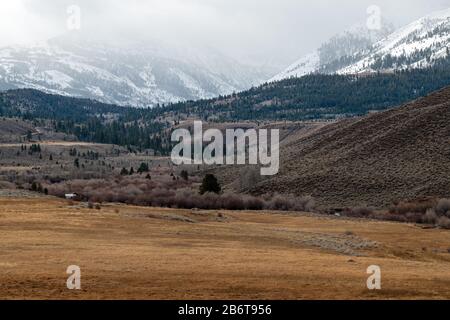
(88, 120)
(321, 96)
(313, 97)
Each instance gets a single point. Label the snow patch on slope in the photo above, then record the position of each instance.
(306, 65)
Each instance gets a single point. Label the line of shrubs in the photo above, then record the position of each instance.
(426, 211)
(166, 192)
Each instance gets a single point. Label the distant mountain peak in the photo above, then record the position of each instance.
(417, 45)
(359, 49)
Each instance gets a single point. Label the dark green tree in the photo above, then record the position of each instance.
(210, 184)
(143, 168)
(184, 174)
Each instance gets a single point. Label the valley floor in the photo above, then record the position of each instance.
(129, 252)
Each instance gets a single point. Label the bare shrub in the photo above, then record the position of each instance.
(162, 191)
(232, 202)
(424, 211)
(253, 203)
(306, 203)
(359, 212)
(444, 222)
(443, 207)
(417, 206)
(430, 217)
(280, 203)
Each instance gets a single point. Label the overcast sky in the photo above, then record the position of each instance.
(278, 30)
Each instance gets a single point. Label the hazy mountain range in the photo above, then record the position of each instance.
(161, 73)
(134, 75)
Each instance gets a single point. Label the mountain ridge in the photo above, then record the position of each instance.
(130, 75)
(416, 45)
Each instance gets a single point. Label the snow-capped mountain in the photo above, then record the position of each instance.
(417, 45)
(359, 50)
(306, 65)
(125, 75)
(338, 51)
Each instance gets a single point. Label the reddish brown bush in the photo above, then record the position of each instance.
(164, 192)
(421, 211)
(359, 212)
(443, 207)
(444, 222)
(430, 217)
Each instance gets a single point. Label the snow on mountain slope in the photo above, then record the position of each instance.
(416, 45)
(306, 65)
(359, 50)
(328, 58)
(128, 75)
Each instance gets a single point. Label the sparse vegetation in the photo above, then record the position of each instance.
(164, 192)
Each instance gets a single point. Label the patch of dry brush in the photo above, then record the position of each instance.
(166, 192)
(423, 211)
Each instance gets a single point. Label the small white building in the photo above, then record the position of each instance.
(71, 196)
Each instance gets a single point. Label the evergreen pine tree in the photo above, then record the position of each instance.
(210, 184)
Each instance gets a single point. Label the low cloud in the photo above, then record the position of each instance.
(264, 30)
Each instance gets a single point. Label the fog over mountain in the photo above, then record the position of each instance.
(261, 32)
(145, 53)
(131, 74)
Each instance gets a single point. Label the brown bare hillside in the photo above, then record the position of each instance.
(15, 130)
(399, 154)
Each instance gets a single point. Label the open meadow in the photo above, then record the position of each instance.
(132, 252)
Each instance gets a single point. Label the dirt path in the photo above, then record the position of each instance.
(134, 252)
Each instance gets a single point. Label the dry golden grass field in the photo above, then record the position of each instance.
(148, 253)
